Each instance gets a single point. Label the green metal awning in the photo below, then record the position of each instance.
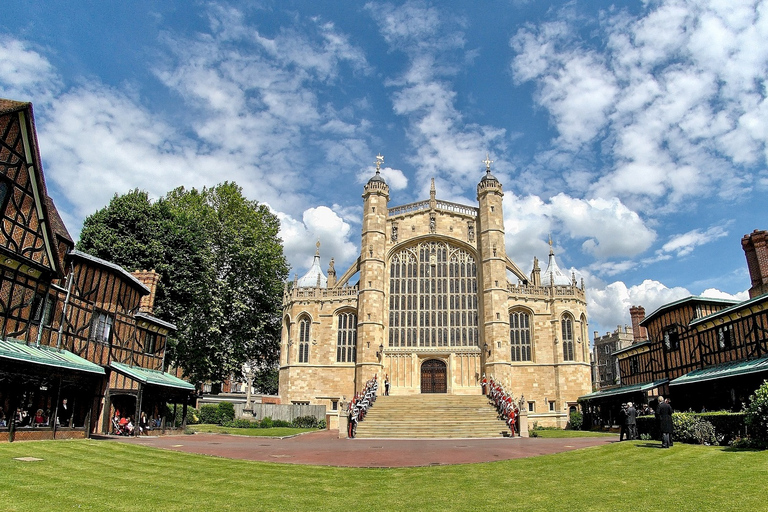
(46, 356)
(722, 371)
(623, 390)
(151, 377)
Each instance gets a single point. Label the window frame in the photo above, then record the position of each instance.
(97, 327)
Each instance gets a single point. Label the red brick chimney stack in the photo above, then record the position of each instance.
(756, 250)
(638, 315)
(149, 278)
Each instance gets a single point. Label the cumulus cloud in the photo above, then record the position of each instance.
(608, 306)
(675, 97)
(609, 229)
(24, 70)
(685, 243)
(317, 224)
(395, 178)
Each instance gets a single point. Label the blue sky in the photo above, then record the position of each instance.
(635, 134)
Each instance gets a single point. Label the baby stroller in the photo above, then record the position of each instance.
(118, 430)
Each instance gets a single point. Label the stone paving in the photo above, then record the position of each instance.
(324, 448)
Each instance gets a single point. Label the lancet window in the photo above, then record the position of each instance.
(566, 325)
(346, 338)
(433, 297)
(520, 335)
(304, 325)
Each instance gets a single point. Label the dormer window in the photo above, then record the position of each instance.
(671, 338)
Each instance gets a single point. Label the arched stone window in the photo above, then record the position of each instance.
(304, 325)
(433, 297)
(287, 323)
(346, 338)
(566, 325)
(520, 335)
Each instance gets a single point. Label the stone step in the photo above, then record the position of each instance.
(431, 416)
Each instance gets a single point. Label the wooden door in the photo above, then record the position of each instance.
(434, 377)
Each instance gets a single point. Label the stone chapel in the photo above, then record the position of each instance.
(436, 305)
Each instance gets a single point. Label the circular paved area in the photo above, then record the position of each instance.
(324, 448)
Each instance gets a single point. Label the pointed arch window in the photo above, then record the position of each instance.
(304, 325)
(433, 297)
(520, 335)
(346, 338)
(566, 325)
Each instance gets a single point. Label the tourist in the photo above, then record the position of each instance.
(64, 413)
(39, 420)
(386, 385)
(144, 426)
(664, 413)
(623, 422)
(631, 422)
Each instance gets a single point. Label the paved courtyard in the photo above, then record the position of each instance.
(325, 449)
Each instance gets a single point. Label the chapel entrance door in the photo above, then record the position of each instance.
(434, 377)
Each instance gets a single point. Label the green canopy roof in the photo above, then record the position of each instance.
(151, 377)
(47, 356)
(634, 388)
(722, 371)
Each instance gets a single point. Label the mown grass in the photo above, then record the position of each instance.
(255, 432)
(567, 434)
(637, 476)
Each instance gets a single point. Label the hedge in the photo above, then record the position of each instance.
(727, 425)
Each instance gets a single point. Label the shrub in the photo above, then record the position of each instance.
(266, 422)
(193, 416)
(209, 413)
(321, 425)
(226, 412)
(577, 420)
(305, 422)
(728, 425)
(647, 425)
(281, 423)
(688, 427)
(757, 415)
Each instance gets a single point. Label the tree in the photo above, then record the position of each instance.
(222, 271)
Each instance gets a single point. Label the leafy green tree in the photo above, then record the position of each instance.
(222, 271)
(266, 380)
(757, 415)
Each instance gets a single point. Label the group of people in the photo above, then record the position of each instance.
(23, 417)
(358, 406)
(124, 426)
(504, 402)
(628, 419)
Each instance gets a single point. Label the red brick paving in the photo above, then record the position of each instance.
(324, 448)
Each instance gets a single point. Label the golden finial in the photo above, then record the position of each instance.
(487, 162)
(317, 252)
(379, 161)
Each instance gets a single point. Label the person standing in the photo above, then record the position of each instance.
(631, 421)
(623, 422)
(386, 385)
(664, 413)
(64, 413)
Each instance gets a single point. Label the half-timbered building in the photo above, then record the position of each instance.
(704, 353)
(77, 337)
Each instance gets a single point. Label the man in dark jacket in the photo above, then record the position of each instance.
(664, 413)
(623, 422)
(631, 421)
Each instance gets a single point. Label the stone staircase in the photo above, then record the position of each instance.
(431, 416)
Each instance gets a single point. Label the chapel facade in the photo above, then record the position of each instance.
(435, 308)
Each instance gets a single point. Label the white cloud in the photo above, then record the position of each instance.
(676, 98)
(608, 228)
(685, 243)
(25, 74)
(714, 293)
(395, 178)
(323, 224)
(609, 306)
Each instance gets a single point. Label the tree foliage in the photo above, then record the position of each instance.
(222, 271)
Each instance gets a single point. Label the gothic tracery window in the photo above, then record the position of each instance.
(433, 297)
(520, 335)
(304, 325)
(567, 331)
(346, 338)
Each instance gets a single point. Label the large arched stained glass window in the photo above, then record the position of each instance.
(520, 335)
(304, 325)
(433, 297)
(346, 338)
(567, 330)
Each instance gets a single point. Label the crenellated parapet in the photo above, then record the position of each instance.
(522, 292)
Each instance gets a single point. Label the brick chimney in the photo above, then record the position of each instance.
(149, 278)
(638, 315)
(756, 251)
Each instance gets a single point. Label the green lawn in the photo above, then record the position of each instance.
(256, 432)
(636, 476)
(565, 434)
